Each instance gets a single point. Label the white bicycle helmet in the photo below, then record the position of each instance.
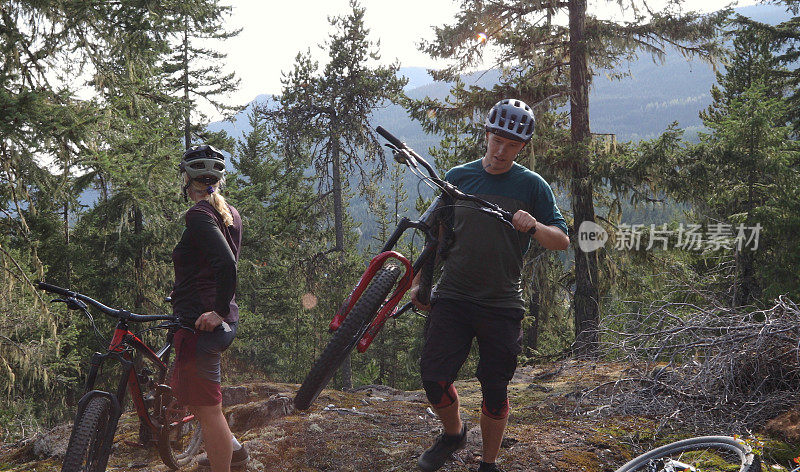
(203, 163)
(512, 119)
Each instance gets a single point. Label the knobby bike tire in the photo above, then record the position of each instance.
(345, 338)
(706, 453)
(88, 450)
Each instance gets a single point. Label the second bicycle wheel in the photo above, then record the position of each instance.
(706, 454)
(179, 440)
(346, 337)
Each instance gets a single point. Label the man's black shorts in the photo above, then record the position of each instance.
(448, 336)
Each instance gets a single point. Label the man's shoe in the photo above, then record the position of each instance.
(489, 467)
(239, 458)
(442, 450)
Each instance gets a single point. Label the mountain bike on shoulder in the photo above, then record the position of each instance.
(369, 306)
(145, 373)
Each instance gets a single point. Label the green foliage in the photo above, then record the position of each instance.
(323, 117)
(121, 141)
(742, 173)
(746, 165)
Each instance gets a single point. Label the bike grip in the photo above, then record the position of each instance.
(390, 137)
(51, 288)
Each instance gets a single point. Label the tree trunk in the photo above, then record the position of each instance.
(346, 371)
(744, 287)
(68, 264)
(338, 206)
(587, 307)
(138, 264)
(382, 357)
(187, 124)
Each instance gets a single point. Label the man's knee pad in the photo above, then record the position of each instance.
(440, 394)
(495, 402)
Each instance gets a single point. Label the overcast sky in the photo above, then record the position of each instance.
(274, 32)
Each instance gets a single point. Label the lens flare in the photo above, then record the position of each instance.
(309, 301)
(482, 37)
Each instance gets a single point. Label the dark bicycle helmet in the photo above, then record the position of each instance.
(511, 119)
(203, 163)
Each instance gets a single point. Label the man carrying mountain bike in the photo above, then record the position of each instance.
(479, 294)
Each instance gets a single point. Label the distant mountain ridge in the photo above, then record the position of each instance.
(637, 107)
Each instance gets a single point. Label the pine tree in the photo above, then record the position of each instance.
(333, 107)
(784, 38)
(742, 161)
(196, 73)
(281, 211)
(43, 129)
(329, 111)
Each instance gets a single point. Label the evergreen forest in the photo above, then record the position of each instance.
(99, 100)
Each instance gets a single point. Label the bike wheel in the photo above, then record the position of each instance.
(706, 453)
(179, 440)
(89, 444)
(345, 338)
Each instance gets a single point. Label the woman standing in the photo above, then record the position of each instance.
(204, 296)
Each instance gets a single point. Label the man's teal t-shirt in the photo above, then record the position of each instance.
(485, 261)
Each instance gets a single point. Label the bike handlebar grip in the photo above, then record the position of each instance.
(52, 288)
(390, 137)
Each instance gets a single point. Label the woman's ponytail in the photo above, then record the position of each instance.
(214, 197)
(218, 202)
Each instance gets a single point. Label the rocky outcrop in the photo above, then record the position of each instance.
(260, 413)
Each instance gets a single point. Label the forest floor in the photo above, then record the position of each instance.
(376, 428)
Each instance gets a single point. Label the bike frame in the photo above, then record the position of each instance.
(389, 308)
(129, 379)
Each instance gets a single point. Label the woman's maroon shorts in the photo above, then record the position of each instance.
(197, 374)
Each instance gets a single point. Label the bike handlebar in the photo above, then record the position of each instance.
(486, 207)
(121, 314)
(390, 137)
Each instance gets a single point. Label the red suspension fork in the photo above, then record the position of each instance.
(375, 265)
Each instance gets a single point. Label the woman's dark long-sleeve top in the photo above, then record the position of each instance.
(205, 264)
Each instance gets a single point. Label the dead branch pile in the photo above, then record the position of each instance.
(707, 368)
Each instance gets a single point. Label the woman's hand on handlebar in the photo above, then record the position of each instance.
(523, 221)
(413, 292)
(208, 321)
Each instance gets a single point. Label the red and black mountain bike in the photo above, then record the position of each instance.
(366, 310)
(145, 373)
